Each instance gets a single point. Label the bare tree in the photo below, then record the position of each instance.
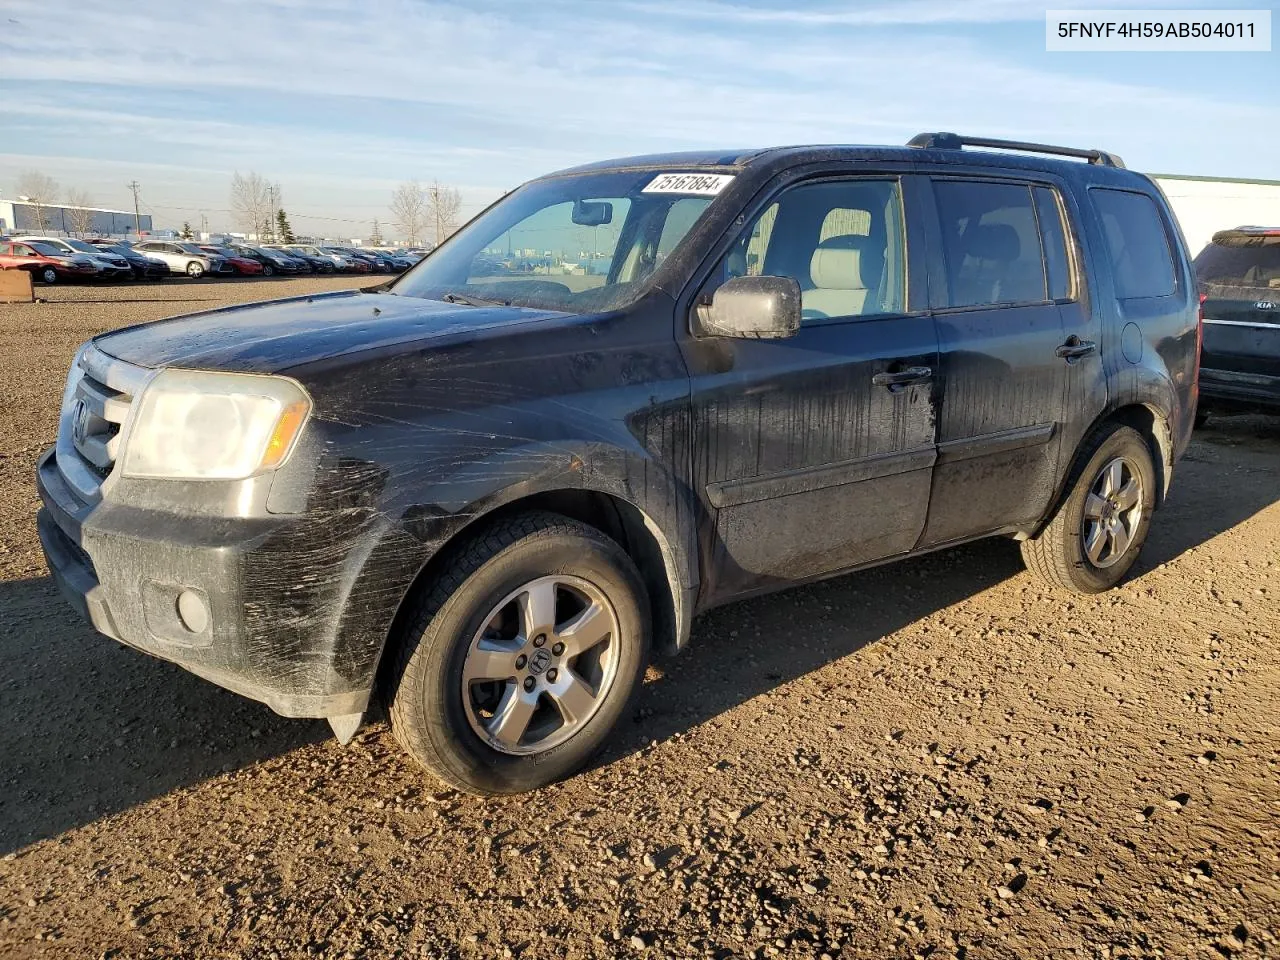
(40, 189)
(79, 216)
(409, 210)
(444, 205)
(251, 202)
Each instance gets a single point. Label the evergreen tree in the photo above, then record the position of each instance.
(375, 237)
(187, 233)
(283, 228)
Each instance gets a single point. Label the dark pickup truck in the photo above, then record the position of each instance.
(623, 394)
(1239, 275)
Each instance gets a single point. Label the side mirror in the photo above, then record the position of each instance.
(592, 213)
(752, 308)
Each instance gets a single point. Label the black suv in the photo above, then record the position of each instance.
(485, 495)
(1239, 274)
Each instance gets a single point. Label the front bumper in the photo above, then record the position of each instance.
(278, 590)
(1255, 389)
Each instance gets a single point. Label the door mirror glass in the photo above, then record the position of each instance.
(752, 308)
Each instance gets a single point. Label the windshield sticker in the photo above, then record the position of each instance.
(699, 184)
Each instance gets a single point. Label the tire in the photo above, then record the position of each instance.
(441, 721)
(1060, 554)
(48, 275)
(195, 270)
(268, 270)
(1202, 417)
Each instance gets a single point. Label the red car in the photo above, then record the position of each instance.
(45, 261)
(244, 266)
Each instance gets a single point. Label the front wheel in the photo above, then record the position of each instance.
(268, 270)
(514, 665)
(1098, 531)
(195, 270)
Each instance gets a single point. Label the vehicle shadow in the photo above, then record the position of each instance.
(746, 649)
(92, 728)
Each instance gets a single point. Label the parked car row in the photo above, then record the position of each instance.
(58, 259)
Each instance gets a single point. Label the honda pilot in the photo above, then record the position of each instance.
(623, 394)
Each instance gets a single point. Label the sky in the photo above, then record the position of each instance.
(340, 100)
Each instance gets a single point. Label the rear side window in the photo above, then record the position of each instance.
(1137, 244)
(1241, 262)
(990, 243)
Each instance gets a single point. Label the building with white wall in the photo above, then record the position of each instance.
(19, 217)
(1205, 205)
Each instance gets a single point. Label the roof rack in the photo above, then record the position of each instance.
(953, 141)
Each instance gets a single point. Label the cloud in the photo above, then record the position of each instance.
(896, 13)
(489, 94)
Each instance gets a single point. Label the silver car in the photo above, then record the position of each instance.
(186, 257)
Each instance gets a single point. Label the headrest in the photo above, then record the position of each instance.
(992, 241)
(848, 262)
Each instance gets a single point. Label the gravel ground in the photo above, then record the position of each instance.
(935, 759)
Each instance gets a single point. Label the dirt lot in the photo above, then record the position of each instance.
(936, 759)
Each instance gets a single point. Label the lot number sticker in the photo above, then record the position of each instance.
(700, 184)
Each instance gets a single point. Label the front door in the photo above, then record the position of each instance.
(1015, 342)
(814, 453)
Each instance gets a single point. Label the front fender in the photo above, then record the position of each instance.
(416, 529)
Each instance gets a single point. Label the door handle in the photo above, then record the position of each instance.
(1074, 349)
(901, 378)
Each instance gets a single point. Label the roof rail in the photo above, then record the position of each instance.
(954, 141)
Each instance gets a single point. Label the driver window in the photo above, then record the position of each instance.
(841, 241)
(550, 245)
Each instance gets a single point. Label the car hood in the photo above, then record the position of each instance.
(279, 335)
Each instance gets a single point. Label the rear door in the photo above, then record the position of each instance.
(813, 454)
(1020, 365)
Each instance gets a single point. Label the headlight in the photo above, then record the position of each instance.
(194, 425)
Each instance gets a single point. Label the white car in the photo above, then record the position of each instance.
(109, 265)
(186, 257)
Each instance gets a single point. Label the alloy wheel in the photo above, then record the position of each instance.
(541, 664)
(1112, 513)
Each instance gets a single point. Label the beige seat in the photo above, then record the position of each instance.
(845, 272)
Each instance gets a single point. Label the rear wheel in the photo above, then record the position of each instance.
(48, 275)
(268, 270)
(513, 667)
(1099, 529)
(195, 270)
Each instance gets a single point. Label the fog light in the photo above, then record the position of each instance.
(192, 611)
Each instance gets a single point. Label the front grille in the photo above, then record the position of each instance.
(100, 392)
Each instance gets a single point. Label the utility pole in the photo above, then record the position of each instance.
(137, 217)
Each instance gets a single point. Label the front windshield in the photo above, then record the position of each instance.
(577, 244)
(190, 248)
(82, 246)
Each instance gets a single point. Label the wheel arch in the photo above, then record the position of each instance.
(656, 551)
(1151, 421)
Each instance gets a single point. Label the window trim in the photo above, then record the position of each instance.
(1179, 287)
(1070, 242)
(770, 195)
